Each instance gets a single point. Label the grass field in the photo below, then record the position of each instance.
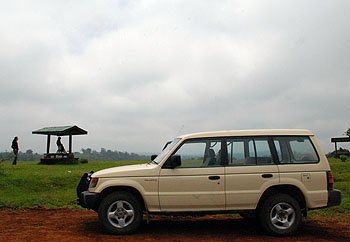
(341, 173)
(32, 185)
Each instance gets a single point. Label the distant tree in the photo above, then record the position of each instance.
(332, 154)
(91, 155)
(29, 152)
(347, 132)
(86, 151)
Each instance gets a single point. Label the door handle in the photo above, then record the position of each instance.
(267, 175)
(214, 177)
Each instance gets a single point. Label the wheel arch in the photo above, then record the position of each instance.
(128, 189)
(290, 190)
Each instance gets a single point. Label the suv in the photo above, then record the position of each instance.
(275, 176)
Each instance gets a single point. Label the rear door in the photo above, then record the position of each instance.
(251, 169)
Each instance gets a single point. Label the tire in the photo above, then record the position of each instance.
(120, 213)
(280, 215)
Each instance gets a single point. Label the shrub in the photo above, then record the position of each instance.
(83, 161)
(343, 158)
(2, 170)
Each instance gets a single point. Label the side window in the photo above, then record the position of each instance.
(282, 149)
(295, 150)
(236, 152)
(251, 148)
(263, 153)
(249, 151)
(303, 151)
(200, 153)
(278, 149)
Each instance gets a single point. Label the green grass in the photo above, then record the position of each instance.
(341, 174)
(31, 185)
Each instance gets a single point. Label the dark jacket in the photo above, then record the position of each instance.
(14, 144)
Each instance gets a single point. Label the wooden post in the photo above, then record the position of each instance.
(48, 144)
(335, 146)
(70, 144)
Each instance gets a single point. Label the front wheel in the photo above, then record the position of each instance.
(120, 213)
(280, 215)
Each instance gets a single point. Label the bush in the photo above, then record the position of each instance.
(2, 170)
(73, 162)
(343, 158)
(60, 161)
(83, 161)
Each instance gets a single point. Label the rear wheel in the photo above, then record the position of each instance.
(280, 215)
(120, 213)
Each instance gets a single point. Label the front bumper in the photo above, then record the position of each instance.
(88, 200)
(85, 198)
(334, 198)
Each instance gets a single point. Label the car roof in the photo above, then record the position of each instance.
(250, 132)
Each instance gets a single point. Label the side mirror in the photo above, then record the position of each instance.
(175, 161)
(153, 157)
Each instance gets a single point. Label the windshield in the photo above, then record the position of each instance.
(166, 150)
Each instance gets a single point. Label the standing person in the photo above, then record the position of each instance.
(15, 148)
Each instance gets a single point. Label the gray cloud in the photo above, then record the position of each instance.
(137, 73)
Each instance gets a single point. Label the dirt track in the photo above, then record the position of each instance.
(76, 225)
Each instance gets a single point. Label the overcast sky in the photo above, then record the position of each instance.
(135, 74)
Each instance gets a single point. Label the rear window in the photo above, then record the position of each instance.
(295, 150)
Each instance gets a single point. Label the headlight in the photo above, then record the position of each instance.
(93, 182)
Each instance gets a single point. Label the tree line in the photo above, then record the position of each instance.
(108, 155)
(91, 155)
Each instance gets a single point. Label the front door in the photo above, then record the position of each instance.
(198, 183)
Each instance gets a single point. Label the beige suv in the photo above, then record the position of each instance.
(275, 176)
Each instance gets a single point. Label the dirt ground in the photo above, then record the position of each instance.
(42, 224)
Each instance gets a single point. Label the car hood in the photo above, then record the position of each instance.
(130, 170)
